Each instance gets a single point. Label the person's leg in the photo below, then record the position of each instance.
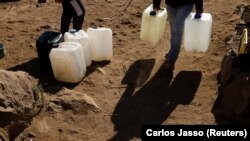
(66, 17)
(177, 17)
(171, 11)
(78, 19)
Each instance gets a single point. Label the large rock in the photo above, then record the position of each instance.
(234, 82)
(72, 100)
(233, 102)
(20, 101)
(69, 115)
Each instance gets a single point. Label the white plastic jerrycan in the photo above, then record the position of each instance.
(101, 41)
(153, 27)
(67, 62)
(81, 37)
(197, 33)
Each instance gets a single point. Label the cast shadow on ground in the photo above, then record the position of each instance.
(2, 1)
(154, 101)
(223, 116)
(46, 77)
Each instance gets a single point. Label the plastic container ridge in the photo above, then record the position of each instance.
(153, 27)
(197, 33)
(81, 37)
(68, 62)
(101, 41)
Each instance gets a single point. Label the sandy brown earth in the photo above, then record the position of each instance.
(133, 90)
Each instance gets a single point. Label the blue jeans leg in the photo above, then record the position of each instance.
(177, 17)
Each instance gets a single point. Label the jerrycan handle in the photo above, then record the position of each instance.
(154, 12)
(197, 15)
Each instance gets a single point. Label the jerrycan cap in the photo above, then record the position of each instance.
(73, 31)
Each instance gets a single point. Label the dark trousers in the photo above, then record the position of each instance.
(69, 12)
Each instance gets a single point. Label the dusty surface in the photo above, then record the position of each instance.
(133, 90)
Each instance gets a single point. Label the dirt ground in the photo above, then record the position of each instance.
(133, 90)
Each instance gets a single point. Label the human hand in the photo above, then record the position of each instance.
(197, 15)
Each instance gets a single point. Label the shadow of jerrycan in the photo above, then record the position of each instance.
(68, 62)
(197, 33)
(153, 27)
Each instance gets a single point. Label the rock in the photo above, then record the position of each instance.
(101, 70)
(31, 135)
(233, 80)
(3, 135)
(65, 115)
(20, 101)
(72, 100)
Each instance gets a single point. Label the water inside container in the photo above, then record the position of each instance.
(153, 27)
(197, 33)
(80, 37)
(101, 42)
(68, 62)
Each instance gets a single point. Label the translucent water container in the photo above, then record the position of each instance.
(197, 33)
(153, 27)
(68, 62)
(101, 41)
(81, 37)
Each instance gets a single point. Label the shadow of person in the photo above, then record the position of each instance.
(153, 102)
(138, 72)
